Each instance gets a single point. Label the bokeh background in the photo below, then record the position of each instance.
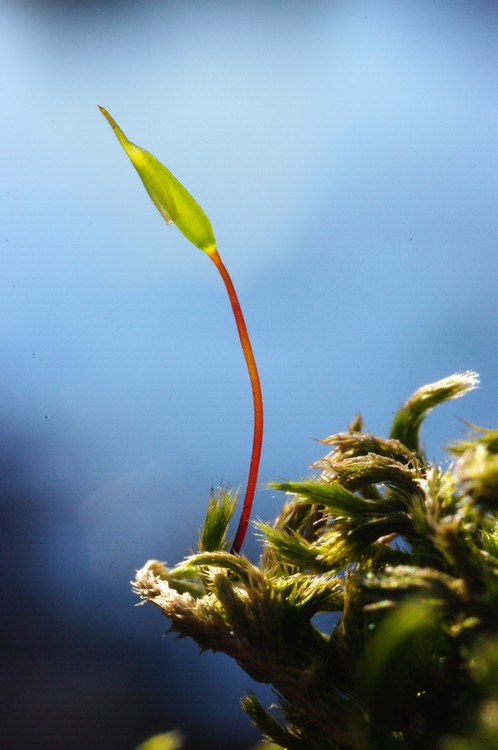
(346, 154)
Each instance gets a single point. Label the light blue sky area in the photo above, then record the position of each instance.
(346, 155)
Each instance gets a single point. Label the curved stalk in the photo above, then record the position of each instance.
(257, 400)
(175, 204)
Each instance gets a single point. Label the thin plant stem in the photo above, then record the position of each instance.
(257, 401)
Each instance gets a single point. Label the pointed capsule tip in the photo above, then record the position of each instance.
(106, 114)
(114, 125)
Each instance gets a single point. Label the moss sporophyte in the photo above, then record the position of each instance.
(398, 552)
(176, 205)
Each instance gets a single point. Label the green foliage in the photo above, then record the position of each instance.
(407, 421)
(221, 507)
(373, 608)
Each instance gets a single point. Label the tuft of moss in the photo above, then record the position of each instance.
(401, 554)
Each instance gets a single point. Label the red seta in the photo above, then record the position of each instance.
(257, 402)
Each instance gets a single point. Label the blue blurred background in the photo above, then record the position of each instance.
(346, 155)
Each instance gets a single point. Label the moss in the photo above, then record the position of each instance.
(402, 552)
